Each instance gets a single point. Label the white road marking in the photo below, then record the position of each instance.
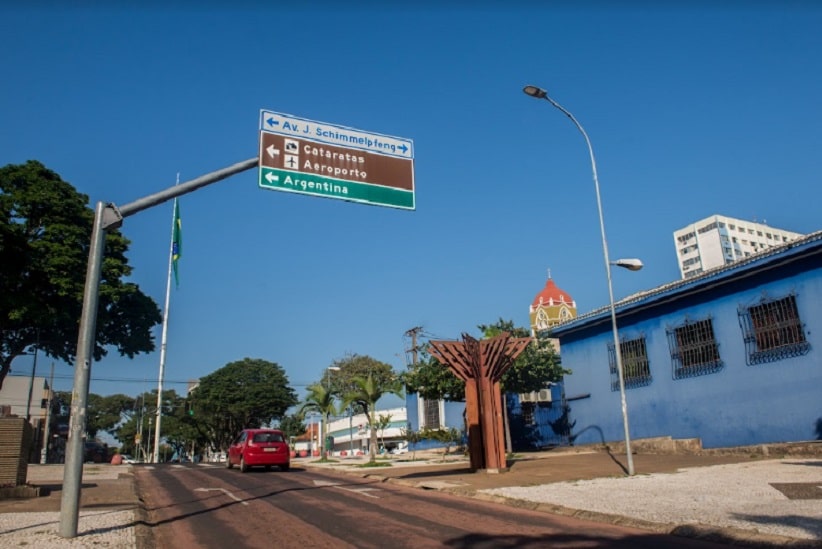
(362, 491)
(223, 490)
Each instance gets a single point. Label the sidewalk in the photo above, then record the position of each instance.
(737, 498)
(108, 513)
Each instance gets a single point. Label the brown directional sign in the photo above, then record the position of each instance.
(304, 156)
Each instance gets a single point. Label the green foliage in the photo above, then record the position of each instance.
(352, 366)
(538, 365)
(532, 370)
(432, 380)
(103, 413)
(292, 425)
(244, 394)
(320, 399)
(365, 394)
(375, 463)
(45, 233)
(449, 436)
(383, 422)
(183, 432)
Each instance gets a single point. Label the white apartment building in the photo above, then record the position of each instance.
(718, 240)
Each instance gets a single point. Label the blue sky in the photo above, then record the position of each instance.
(693, 109)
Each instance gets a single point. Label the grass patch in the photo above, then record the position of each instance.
(375, 464)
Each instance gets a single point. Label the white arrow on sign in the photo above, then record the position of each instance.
(271, 177)
(272, 152)
(223, 490)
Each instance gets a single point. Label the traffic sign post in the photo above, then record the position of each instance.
(320, 159)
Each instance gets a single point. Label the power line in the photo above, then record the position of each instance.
(137, 380)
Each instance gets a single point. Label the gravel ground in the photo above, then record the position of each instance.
(103, 528)
(94, 529)
(746, 496)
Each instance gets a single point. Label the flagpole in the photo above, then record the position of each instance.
(164, 337)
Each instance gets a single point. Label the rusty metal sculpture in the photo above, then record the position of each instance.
(481, 364)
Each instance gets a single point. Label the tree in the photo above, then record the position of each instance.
(45, 233)
(182, 429)
(536, 367)
(103, 413)
(383, 423)
(320, 399)
(344, 371)
(248, 393)
(367, 391)
(433, 380)
(292, 425)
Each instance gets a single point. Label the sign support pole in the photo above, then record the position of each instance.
(106, 217)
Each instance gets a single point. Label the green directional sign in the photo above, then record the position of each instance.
(328, 187)
(319, 159)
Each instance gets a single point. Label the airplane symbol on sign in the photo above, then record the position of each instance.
(291, 160)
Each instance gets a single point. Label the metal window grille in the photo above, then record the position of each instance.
(694, 349)
(431, 412)
(772, 331)
(528, 416)
(636, 368)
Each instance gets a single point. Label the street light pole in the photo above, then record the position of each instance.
(539, 93)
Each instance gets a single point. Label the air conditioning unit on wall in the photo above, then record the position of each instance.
(544, 395)
(527, 397)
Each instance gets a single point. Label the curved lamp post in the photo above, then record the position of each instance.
(631, 264)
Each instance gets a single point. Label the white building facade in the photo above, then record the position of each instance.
(352, 435)
(718, 240)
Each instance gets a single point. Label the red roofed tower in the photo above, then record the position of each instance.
(551, 306)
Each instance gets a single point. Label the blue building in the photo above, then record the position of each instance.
(732, 357)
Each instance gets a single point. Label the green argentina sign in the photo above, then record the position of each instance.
(318, 185)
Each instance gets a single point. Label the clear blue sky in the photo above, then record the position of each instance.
(697, 109)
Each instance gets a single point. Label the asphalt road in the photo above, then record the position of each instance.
(199, 506)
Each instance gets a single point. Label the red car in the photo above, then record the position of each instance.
(259, 447)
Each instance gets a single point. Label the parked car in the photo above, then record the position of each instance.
(259, 447)
(127, 459)
(95, 452)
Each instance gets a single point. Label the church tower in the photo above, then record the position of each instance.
(550, 307)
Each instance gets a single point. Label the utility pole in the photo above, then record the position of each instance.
(44, 452)
(413, 334)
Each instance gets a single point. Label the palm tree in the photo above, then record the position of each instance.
(367, 391)
(383, 423)
(320, 399)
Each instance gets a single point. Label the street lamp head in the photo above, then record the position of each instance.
(631, 264)
(534, 91)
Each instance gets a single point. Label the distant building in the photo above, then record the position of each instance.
(550, 307)
(352, 435)
(718, 240)
(28, 397)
